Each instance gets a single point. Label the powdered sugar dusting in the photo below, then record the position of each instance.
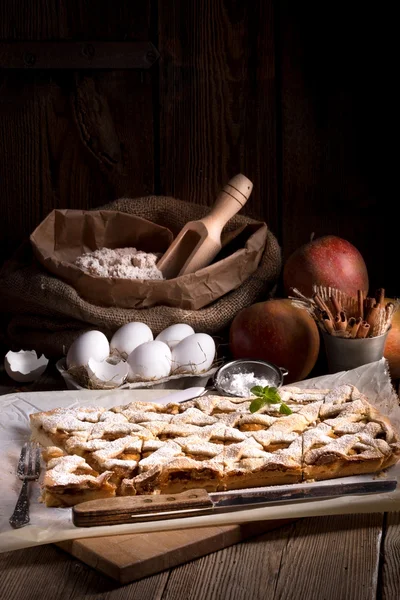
(240, 384)
(62, 473)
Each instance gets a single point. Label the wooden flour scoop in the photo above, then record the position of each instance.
(199, 242)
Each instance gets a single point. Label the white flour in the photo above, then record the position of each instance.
(240, 384)
(124, 263)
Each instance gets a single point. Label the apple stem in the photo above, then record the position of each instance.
(312, 236)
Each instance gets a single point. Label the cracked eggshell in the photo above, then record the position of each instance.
(194, 354)
(91, 344)
(25, 365)
(130, 336)
(174, 334)
(106, 372)
(149, 361)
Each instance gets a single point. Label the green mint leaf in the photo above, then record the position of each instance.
(267, 395)
(271, 394)
(257, 390)
(257, 404)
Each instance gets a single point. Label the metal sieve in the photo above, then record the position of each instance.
(261, 370)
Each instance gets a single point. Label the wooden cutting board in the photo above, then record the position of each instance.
(130, 557)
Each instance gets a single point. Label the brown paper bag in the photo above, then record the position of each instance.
(66, 234)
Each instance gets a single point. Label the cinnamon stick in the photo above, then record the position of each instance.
(389, 308)
(360, 301)
(388, 313)
(382, 324)
(363, 329)
(380, 297)
(355, 327)
(372, 316)
(327, 323)
(368, 304)
(341, 321)
(336, 304)
(322, 306)
(350, 323)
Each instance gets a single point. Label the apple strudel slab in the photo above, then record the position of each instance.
(211, 442)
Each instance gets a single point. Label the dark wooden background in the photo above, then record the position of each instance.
(296, 95)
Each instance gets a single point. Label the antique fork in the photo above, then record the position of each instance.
(28, 470)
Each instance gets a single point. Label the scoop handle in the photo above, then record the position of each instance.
(230, 200)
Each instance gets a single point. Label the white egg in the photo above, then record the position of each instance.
(194, 354)
(91, 344)
(25, 365)
(105, 372)
(174, 334)
(130, 336)
(151, 360)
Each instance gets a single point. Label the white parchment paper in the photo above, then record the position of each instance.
(54, 524)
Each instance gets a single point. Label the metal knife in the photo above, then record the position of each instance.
(181, 395)
(193, 503)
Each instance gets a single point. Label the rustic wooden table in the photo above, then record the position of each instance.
(350, 557)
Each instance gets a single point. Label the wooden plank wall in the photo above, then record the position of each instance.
(72, 139)
(218, 100)
(288, 93)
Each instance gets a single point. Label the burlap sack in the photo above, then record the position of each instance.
(43, 313)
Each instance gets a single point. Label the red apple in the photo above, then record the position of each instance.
(279, 332)
(329, 261)
(392, 346)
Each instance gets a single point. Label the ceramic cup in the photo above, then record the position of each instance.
(344, 354)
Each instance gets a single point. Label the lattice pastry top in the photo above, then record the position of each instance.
(212, 442)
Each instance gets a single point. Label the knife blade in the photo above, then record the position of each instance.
(181, 395)
(197, 502)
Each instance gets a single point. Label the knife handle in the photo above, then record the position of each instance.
(126, 509)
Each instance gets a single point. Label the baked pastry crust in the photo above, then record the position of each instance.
(211, 442)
